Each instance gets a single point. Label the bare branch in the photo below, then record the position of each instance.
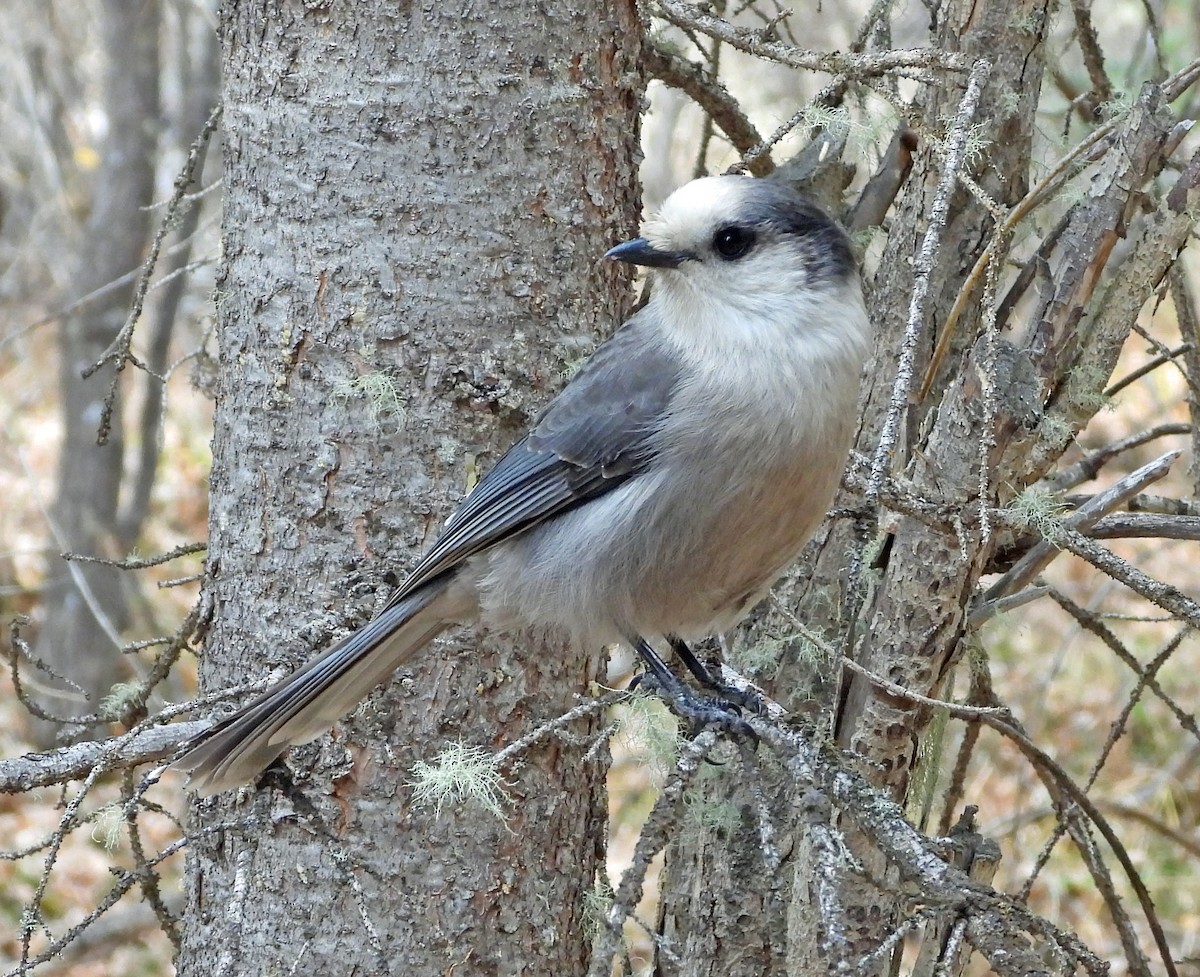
(1146, 525)
(21, 774)
(1089, 45)
(652, 840)
(1033, 562)
(118, 352)
(760, 43)
(703, 88)
(131, 563)
(1089, 467)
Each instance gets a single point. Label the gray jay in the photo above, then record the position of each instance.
(659, 495)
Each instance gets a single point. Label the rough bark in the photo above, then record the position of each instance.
(723, 912)
(1011, 39)
(421, 194)
(84, 605)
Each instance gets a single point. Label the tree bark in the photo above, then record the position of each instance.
(85, 608)
(418, 196)
(997, 415)
(755, 921)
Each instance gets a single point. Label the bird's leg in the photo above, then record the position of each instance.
(682, 700)
(738, 697)
(694, 664)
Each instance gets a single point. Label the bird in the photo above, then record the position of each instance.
(658, 496)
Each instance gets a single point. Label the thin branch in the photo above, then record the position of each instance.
(1189, 328)
(1043, 762)
(706, 90)
(1162, 594)
(81, 583)
(1089, 46)
(118, 352)
(654, 838)
(1089, 467)
(1092, 623)
(103, 290)
(915, 857)
(760, 44)
(1040, 555)
(132, 563)
(1096, 143)
(1145, 525)
(956, 709)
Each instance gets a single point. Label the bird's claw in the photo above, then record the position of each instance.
(700, 710)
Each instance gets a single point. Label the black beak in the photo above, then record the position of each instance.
(639, 251)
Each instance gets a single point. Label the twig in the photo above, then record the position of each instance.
(767, 845)
(654, 837)
(1033, 562)
(1169, 356)
(1044, 763)
(1164, 595)
(1092, 623)
(687, 15)
(1085, 151)
(914, 856)
(132, 563)
(1146, 525)
(588, 707)
(118, 352)
(1189, 328)
(706, 90)
(956, 709)
(1089, 47)
(829, 857)
(81, 584)
(1089, 467)
(99, 293)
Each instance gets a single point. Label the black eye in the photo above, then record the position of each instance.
(732, 242)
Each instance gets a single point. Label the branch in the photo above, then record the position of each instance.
(1162, 594)
(55, 767)
(1146, 525)
(1060, 781)
(707, 91)
(1033, 562)
(956, 148)
(118, 351)
(1089, 467)
(760, 43)
(997, 922)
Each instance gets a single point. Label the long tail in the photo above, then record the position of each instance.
(302, 706)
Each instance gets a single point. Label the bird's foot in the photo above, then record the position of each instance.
(747, 699)
(698, 709)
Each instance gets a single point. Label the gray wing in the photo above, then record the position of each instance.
(592, 437)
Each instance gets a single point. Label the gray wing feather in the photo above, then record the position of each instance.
(616, 401)
(593, 436)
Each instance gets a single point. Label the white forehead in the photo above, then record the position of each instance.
(696, 209)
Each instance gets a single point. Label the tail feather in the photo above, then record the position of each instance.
(303, 705)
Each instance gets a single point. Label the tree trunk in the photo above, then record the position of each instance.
(416, 199)
(752, 921)
(85, 608)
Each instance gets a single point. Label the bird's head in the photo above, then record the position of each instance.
(734, 244)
